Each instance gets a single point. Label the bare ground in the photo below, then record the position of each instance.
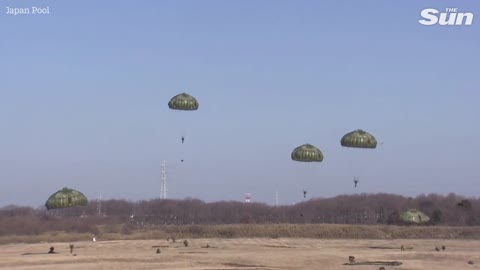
(242, 253)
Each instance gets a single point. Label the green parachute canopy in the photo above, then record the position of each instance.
(183, 102)
(307, 153)
(414, 216)
(359, 139)
(65, 198)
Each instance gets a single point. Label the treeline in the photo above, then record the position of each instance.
(366, 209)
(451, 210)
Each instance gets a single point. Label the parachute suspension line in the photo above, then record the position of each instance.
(359, 140)
(183, 102)
(354, 162)
(309, 155)
(302, 174)
(350, 162)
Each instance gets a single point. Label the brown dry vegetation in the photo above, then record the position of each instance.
(354, 217)
(275, 231)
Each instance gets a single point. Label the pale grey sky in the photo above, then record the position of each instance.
(84, 93)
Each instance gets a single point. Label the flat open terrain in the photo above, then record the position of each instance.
(242, 253)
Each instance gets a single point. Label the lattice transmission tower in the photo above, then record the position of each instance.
(163, 191)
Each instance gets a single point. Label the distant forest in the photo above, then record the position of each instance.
(367, 209)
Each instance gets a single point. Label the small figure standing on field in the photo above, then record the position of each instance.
(351, 259)
(444, 247)
(402, 248)
(71, 248)
(185, 243)
(52, 250)
(158, 250)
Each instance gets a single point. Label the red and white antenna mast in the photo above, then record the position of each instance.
(248, 197)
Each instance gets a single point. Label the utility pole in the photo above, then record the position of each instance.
(276, 198)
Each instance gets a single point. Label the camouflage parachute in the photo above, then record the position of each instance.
(307, 153)
(64, 198)
(183, 102)
(414, 216)
(359, 139)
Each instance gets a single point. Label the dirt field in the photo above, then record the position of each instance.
(245, 254)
